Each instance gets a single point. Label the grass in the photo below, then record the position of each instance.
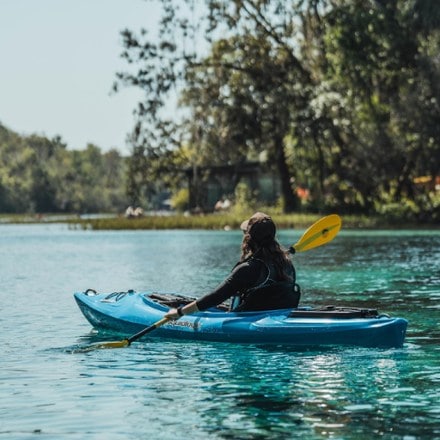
(211, 221)
(37, 218)
(207, 221)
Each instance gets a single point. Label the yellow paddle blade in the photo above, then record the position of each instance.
(124, 342)
(321, 232)
(100, 345)
(113, 344)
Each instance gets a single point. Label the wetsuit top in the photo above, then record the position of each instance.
(252, 281)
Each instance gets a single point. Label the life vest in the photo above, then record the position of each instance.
(271, 294)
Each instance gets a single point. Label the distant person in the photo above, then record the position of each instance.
(129, 212)
(218, 205)
(138, 212)
(263, 279)
(226, 204)
(222, 205)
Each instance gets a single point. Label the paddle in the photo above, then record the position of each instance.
(321, 232)
(124, 342)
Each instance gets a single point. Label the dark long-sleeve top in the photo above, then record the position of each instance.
(244, 276)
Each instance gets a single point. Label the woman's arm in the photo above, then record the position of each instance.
(243, 276)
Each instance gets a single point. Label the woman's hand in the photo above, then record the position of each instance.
(182, 310)
(172, 314)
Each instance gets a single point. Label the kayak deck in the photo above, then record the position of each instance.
(129, 312)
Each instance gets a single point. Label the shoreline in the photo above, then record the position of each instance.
(206, 221)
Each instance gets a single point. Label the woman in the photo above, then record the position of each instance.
(263, 279)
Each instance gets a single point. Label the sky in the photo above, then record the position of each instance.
(58, 62)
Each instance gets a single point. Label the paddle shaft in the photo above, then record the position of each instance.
(147, 330)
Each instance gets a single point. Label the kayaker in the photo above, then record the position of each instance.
(263, 279)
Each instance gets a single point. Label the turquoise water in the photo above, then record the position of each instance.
(163, 389)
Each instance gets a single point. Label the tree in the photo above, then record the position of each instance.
(41, 175)
(253, 102)
(46, 154)
(341, 95)
(254, 75)
(380, 55)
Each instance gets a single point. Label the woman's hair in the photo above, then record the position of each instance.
(259, 240)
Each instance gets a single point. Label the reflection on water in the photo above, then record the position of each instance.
(229, 391)
(163, 388)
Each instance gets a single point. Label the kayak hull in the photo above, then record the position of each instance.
(130, 312)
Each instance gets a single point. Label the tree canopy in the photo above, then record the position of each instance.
(340, 97)
(40, 175)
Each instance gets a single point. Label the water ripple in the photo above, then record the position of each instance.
(163, 388)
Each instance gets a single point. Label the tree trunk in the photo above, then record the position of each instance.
(290, 199)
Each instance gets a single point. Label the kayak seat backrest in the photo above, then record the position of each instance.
(334, 313)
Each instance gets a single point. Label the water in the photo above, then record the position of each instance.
(163, 389)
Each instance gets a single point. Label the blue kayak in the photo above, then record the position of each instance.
(130, 312)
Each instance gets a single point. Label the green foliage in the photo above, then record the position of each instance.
(399, 213)
(39, 175)
(245, 202)
(239, 99)
(213, 221)
(232, 222)
(382, 61)
(180, 200)
(342, 98)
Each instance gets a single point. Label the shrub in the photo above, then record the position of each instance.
(180, 200)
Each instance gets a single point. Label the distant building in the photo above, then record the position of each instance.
(209, 184)
(428, 182)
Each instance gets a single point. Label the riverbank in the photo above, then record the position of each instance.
(207, 221)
